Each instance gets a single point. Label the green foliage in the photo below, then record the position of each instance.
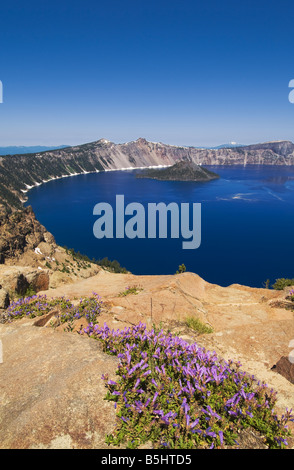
(29, 291)
(182, 269)
(196, 325)
(64, 269)
(178, 396)
(17, 171)
(84, 261)
(266, 284)
(38, 305)
(281, 283)
(290, 297)
(35, 305)
(113, 266)
(130, 290)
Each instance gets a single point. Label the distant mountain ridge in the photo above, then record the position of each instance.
(21, 149)
(19, 173)
(226, 146)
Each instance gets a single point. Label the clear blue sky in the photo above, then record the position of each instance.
(181, 72)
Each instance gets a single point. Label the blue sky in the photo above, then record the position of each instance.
(180, 72)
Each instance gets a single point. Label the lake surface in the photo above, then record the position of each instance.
(247, 228)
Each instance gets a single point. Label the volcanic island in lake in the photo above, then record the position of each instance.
(183, 170)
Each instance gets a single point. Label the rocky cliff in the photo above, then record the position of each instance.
(20, 232)
(30, 259)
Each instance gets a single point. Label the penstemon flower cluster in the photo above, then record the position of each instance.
(169, 392)
(37, 305)
(178, 395)
(291, 295)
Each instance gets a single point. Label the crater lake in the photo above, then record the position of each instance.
(246, 222)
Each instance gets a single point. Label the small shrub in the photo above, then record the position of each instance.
(291, 295)
(196, 325)
(130, 290)
(281, 283)
(182, 269)
(29, 292)
(266, 284)
(64, 269)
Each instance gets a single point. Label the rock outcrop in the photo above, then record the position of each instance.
(20, 232)
(19, 279)
(285, 368)
(4, 298)
(51, 390)
(30, 259)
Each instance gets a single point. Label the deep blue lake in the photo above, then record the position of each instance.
(247, 229)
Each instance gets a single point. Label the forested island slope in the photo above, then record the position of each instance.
(183, 170)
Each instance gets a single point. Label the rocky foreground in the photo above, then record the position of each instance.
(51, 390)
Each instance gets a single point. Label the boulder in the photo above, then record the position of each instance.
(38, 280)
(18, 279)
(4, 299)
(51, 394)
(46, 249)
(49, 238)
(285, 368)
(58, 279)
